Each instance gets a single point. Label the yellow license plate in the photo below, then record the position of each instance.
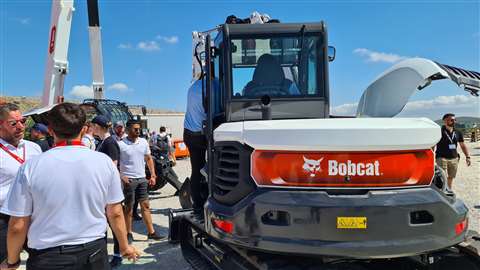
(351, 222)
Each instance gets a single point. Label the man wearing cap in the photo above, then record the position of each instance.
(46, 190)
(38, 134)
(446, 153)
(14, 150)
(109, 146)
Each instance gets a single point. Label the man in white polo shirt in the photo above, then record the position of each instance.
(134, 152)
(59, 199)
(13, 152)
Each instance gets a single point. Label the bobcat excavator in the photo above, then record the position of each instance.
(291, 186)
(57, 67)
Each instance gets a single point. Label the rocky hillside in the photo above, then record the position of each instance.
(28, 103)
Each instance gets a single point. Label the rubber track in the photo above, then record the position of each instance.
(195, 259)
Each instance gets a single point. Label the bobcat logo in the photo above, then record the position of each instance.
(312, 166)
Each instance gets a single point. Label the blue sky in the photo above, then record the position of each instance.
(147, 46)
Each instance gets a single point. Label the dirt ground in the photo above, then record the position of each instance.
(162, 255)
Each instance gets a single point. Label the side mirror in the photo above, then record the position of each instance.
(331, 53)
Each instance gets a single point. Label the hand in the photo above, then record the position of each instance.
(469, 162)
(131, 253)
(152, 180)
(125, 180)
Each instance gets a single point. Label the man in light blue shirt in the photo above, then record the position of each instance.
(195, 139)
(195, 114)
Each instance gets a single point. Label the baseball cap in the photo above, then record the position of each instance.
(101, 121)
(40, 128)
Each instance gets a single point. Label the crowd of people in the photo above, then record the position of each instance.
(57, 204)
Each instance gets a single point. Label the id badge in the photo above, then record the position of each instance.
(452, 146)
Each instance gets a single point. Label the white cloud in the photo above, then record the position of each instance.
(170, 40)
(82, 91)
(373, 56)
(121, 87)
(433, 108)
(458, 101)
(344, 109)
(124, 46)
(148, 46)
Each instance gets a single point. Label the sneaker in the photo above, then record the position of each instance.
(130, 238)
(116, 261)
(137, 217)
(155, 236)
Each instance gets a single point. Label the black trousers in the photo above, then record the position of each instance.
(197, 146)
(172, 178)
(89, 256)
(3, 236)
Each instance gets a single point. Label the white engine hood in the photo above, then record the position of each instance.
(347, 134)
(390, 92)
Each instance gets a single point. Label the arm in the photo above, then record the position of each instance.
(17, 233)
(465, 151)
(19, 205)
(151, 167)
(117, 222)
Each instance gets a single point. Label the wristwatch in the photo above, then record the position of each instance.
(467, 157)
(14, 265)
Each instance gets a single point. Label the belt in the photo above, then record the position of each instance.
(68, 248)
(194, 133)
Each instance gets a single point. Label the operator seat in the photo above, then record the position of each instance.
(268, 79)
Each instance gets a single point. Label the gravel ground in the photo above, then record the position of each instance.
(163, 255)
(467, 184)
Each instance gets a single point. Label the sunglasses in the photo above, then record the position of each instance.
(14, 123)
(136, 129)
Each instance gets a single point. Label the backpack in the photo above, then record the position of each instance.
(162, 144)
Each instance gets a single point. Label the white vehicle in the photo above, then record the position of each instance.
(293, 187)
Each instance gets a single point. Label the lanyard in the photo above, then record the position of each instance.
(448, 136)
(13, 155)
(68, 143)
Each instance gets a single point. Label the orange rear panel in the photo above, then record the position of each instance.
(354, 169)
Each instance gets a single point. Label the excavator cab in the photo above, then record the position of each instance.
(284, 63)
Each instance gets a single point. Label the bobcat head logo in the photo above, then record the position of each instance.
(312, 166)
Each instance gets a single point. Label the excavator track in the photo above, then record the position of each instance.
(203, 252)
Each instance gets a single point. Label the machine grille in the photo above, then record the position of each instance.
(227, 173)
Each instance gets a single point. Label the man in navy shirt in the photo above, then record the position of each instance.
(446, 152)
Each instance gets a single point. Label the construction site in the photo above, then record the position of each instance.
(262, 169)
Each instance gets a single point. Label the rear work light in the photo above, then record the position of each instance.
(461, 226)
(223, 225)
(343, 169)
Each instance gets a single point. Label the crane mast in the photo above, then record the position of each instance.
(95, 37)
(57, 62)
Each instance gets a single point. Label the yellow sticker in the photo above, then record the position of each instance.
(351, 222)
